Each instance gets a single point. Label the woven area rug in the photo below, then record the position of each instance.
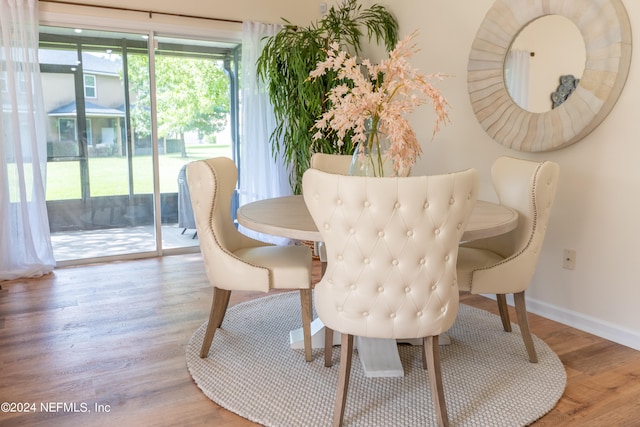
(488, 380)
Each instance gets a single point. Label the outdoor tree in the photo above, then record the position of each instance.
(192, 95)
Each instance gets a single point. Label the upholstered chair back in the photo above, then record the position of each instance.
(211, 186)
(528, 187)
(331, 163)
(392, 246)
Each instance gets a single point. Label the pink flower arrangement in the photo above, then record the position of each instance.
(382, 93)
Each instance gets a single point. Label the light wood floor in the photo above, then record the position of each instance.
(114, 335)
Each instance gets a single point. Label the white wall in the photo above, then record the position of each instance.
(168, 17)
(597, 206)
(597, 209)
(296, 11)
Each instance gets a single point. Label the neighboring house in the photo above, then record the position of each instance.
(103, 97)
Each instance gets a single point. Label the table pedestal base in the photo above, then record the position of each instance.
(296, 337)
(379, 357)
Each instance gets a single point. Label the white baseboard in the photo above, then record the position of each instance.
(582, 322)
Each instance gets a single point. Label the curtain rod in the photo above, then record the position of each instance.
(150, 12)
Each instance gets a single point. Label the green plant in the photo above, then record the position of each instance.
(288, 58)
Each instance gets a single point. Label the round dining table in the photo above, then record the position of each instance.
(288, 217)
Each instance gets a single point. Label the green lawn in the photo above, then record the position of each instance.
(108, 176)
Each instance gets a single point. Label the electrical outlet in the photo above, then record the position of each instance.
(569, 259)
(323, 8)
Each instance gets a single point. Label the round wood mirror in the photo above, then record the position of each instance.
(605, 27)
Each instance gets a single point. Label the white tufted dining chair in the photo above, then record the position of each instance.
(392, 245)
(235, 262)
(505, 264)
(331, 163)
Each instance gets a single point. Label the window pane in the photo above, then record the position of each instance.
(89, 86)
(194, 109)
(102, 157)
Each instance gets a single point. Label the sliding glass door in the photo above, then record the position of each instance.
(118, 137)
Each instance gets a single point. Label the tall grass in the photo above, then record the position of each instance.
(109, 176)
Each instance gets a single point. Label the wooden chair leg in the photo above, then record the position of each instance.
(306, 304)
(346, 352)
(224, 297)
(218, 310)
(425, 363)
(523, 322)
(328, 347)
(432, 354)
(504, 311)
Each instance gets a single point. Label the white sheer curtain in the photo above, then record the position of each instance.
(261, 176)
(25, 240)
(517, 76)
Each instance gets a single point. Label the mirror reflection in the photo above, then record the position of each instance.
(532, 83)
